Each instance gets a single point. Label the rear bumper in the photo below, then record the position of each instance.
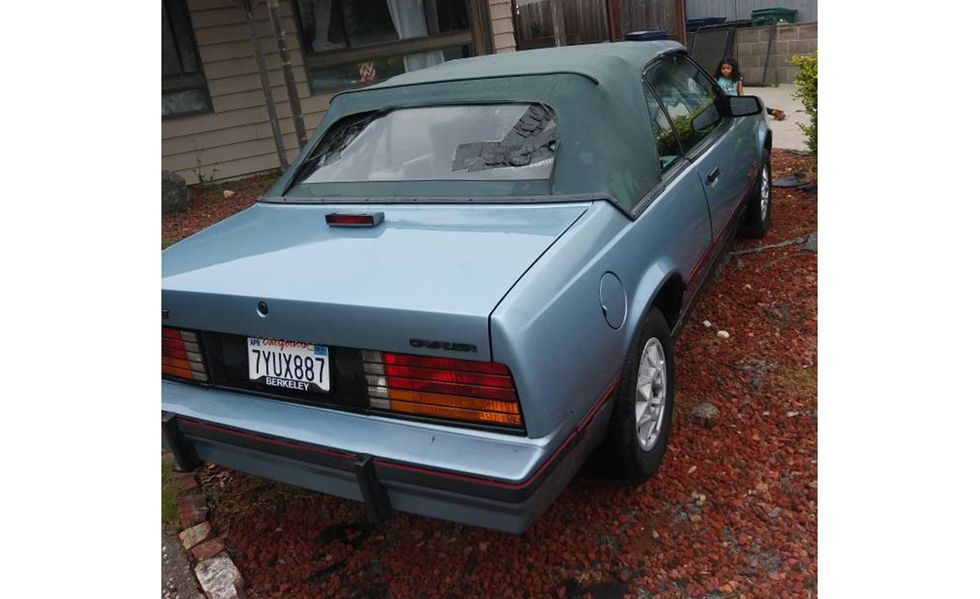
(484, 479)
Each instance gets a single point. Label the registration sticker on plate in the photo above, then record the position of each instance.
(289, 364)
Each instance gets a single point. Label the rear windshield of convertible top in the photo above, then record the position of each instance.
(456, 142)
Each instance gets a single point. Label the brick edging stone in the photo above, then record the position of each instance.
(214, 568)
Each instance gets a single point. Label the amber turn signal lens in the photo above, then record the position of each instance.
(182, 356)
(455, 413)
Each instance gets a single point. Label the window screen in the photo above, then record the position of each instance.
(184, 89)
(386, 34)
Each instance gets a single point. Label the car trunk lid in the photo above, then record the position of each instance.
(430, 273)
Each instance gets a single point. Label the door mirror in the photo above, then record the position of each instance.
(706, 119)
(744, 105)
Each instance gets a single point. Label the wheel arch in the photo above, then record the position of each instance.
(618, 450)
(662, 288)
(767, 139)
(669, 299)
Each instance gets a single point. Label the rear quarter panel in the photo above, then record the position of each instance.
(550, 328)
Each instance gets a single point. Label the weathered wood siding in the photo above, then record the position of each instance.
(584, 20)
(236, 139)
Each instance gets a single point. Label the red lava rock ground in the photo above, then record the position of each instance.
(732, 512)
(209, 205)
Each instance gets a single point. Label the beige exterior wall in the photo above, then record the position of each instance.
(502, 26)
(236, 139)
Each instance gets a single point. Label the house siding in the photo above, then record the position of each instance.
(502, 26)
(236, 138)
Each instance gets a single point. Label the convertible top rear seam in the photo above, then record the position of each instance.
(463, 79)
(529, 199)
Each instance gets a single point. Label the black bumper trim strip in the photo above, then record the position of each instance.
(388, 471)
(375, 497)
(184, 454)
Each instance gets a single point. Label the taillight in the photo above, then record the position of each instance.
(182, 355)
(370, 219)
(442, 388)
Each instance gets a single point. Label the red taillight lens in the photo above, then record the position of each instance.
(444, 363)
(370, 219)
(182, 355)
(450, 388)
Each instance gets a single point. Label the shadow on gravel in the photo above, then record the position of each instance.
(351, 534)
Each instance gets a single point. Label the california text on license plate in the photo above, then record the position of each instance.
(289, 364)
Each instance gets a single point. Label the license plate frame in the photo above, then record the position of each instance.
(293, 365)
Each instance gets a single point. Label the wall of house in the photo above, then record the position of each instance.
(236, 139)
(502, 26)
(751, 44)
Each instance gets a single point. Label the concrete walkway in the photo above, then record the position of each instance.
(785, 133)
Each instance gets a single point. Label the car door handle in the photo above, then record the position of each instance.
(713, 175)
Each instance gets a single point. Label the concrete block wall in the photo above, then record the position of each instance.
(751, 44)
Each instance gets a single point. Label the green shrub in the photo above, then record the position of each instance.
(806, 81)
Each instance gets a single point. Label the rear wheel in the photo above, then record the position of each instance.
(640, 423)
(758, 209)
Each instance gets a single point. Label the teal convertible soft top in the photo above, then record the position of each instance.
(605, 144)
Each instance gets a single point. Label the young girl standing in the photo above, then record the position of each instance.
(729, 79)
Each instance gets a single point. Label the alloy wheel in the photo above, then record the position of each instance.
(651, 393)
(764, 192)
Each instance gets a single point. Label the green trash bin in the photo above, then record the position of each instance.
(771, 16)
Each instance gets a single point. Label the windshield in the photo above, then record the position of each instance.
(467, 142)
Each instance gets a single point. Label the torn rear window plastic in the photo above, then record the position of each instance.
(531, 140)
(455, 142)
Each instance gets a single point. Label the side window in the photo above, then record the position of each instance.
(690, 98)
(348, 43)
(185, 90)
(668, 148)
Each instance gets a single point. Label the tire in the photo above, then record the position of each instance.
(758, 210)
(622, 454)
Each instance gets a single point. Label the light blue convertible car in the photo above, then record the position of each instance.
(467, 281)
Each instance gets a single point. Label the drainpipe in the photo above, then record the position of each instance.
(270, 103)
(287, 74)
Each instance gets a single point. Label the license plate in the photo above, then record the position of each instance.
(289, 364)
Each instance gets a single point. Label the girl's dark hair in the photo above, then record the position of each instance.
(734, 64)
